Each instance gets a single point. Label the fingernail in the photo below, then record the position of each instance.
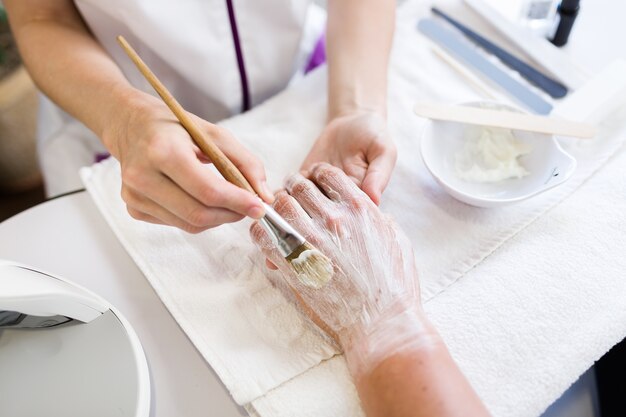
(256, 212)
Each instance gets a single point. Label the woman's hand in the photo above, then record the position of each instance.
(165, 176)
(360, 145)
(371, 306)
(375, 281)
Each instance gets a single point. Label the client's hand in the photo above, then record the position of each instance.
(371, 305)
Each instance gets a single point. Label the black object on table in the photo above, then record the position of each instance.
(567, 13)
(610, 373)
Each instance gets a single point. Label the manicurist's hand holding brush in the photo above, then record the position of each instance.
(371, 306)
(70, 51)
(311, 265)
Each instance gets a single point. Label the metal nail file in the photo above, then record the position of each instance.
(455, 44)
(547, 84)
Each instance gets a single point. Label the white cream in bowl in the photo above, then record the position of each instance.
(491, 155)
(486, 169)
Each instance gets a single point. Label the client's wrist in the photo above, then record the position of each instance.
(401, 328)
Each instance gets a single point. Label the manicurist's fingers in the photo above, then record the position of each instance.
(158, 195)
(144, 217)
(250, 166)
(144, 209)
(379, 173)
(208, 187)
(175, 222)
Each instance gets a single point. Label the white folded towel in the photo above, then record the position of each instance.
(523, 324)
(214, 284)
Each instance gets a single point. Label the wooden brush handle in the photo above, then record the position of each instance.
(224, 165)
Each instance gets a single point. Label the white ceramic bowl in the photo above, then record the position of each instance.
(548, 164)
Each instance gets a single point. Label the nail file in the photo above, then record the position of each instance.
(550, 86)
(505, 120)
(459, 47)
(469, 76)
(557, 62)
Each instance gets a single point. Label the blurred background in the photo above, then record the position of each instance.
(20, 180)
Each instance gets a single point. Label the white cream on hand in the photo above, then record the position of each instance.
(491, 155)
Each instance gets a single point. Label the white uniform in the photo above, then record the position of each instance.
(218, 57)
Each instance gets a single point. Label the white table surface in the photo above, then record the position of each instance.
(68, 237)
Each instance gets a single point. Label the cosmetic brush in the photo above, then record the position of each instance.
(311, 266)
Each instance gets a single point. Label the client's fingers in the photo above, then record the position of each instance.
(263, 241)
(335, 183)
(273, 259)
(314, 202)
(270, 265)
(291, 211)
(294, 214)
(260, 237)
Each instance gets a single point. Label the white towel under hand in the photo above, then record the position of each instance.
(214, 284)
(525, 323)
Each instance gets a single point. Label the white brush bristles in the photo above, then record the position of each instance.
(312, 267)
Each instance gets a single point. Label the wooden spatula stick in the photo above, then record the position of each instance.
(224, 165)
(505, 119)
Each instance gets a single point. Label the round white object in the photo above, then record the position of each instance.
(548, 165)
(97, 368)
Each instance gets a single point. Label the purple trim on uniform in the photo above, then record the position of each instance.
(242, 68)
(100, 156)
(318, 57)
